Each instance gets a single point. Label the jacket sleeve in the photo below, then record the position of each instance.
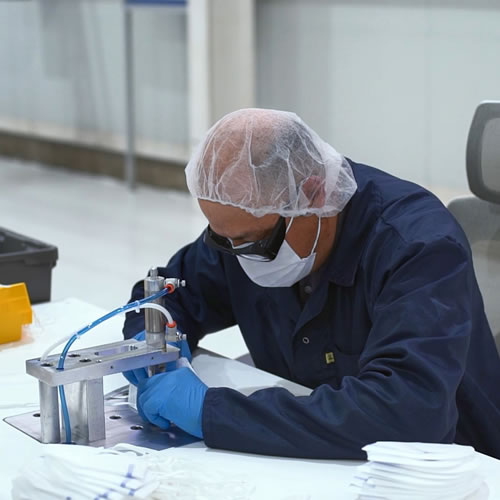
(203, 306)
(409, 370)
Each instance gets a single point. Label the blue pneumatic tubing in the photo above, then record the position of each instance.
(79, 333)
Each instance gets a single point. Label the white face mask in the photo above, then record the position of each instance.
(285, 269)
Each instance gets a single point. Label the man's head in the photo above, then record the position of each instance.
(266, 161)
(256, 167)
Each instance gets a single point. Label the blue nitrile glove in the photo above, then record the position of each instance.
(135, 376)
(175, 396)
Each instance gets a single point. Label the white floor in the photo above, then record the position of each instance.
(108, 237)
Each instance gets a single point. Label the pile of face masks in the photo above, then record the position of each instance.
(419, 471)
(83, 472)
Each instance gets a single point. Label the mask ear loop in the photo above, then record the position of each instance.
(317, 236)
(317, 233)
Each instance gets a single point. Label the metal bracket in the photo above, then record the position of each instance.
(82, 379)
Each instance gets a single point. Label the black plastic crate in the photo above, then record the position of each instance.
(24, 259)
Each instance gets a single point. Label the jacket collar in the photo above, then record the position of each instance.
(360, 216)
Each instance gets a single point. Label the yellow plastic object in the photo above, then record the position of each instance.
(15, 311)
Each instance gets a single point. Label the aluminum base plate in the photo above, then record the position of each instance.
(123, 425)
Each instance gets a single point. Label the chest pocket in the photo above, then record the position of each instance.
(335, 340)
(326, 365)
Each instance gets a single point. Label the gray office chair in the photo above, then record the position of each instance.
(479, 215)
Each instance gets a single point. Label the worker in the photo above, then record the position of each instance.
(342, 278)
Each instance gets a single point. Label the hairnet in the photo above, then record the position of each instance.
(266, 161)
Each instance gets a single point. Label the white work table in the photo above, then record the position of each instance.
(272, 477)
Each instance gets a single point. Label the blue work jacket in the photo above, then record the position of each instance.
(393, 339)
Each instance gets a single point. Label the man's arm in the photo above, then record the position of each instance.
(410, 369)
(203, 306)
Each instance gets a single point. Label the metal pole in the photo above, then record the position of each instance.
(49, 413)
(130, 173)
(154, 320)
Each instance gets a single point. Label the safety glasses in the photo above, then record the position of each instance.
(265, 249)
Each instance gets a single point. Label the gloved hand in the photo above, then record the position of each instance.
(175, 396)
(135, 376)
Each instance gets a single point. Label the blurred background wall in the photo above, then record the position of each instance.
(63, 72)
(390, 83)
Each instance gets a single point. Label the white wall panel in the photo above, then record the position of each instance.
(221, 36)
(62, 73)
(393, 84)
